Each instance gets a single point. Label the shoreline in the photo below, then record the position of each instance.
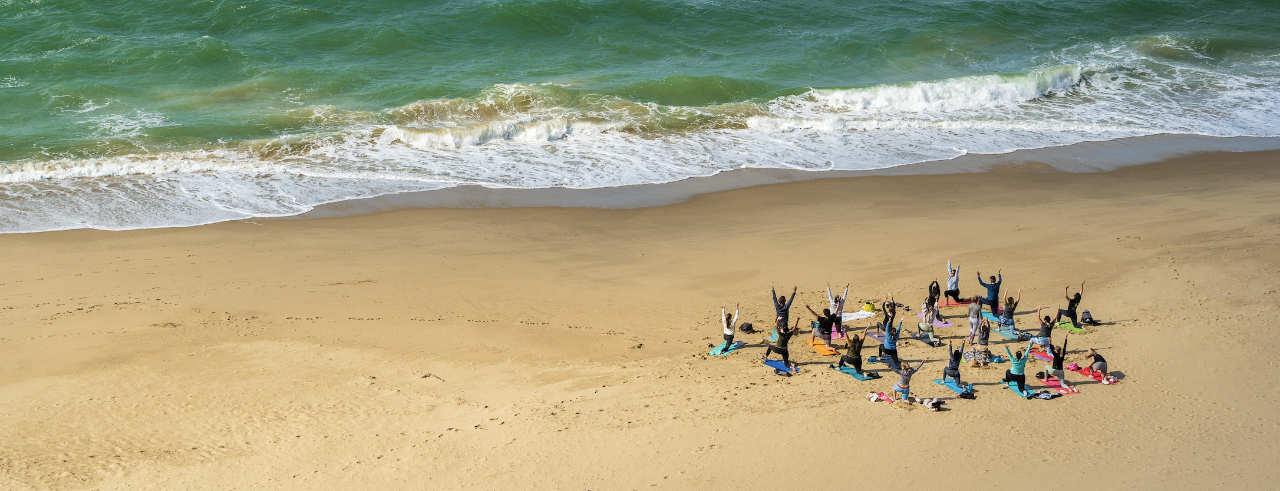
(1099, 156)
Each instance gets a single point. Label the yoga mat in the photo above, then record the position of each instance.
(1066, 326)
(1042, 355)
(991, 317)
(819, 347)
(951, 384)
(777, 365)
(950, 303)
(923, 338)
(876, 359)
(1007, 333)
(1091, 373)
(1052, 383)
(936, 322)
(1014, 388)
(716, 350)
(852, 373)
(878, 336)
(773, 336)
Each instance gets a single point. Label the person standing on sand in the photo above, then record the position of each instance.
(784, 336)
(903, 387)
(1072, 304)
(729, 324)
(993, 292)
(782, 306)
(975, 316)
(953, 282)
(836, 304)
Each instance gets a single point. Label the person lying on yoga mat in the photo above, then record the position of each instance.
(1073, 302)
(780, 346)
(853, 355)
(1010, 305)
(1045, 336)
(975, 315)
(953, 282)
(1017, 371)
(903, 387)
(782, 306)
(730, 323)
(1054, 369)
(1098, 364)
(825, 322)
(836, 304)
(953, 367)
(993, 291)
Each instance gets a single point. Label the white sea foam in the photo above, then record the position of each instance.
(542, 136)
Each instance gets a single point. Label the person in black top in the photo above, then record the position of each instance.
(784, 336)
(853, 354)
(953, 367)
(1054, 369)
(826, 321)
(1073, 302)
(782, 306)
(935, 294)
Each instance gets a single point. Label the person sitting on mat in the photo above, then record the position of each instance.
(1010, 305)
(953, 282)
(730, 325)
(825, 322)
(782, 306)
(1017, 371)
(953, 367)
(993, 292)
(1098, 364)
(853, 355)
(975, 316)
(1054, 369)
(1073, 302)
(903, 387)
(836, 304)
(1045, 336)
(780, 346)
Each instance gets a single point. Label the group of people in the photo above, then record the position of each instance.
(829, 323)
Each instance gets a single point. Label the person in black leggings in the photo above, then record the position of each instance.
(1073, 302)
(953, 367)
(784, 336)
(782, 306)
(853, 354)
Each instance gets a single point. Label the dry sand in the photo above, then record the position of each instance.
(564, 348)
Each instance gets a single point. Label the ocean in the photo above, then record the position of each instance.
(122, 115)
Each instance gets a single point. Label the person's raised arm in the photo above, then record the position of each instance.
(980, 282)
(949, 269)
(919, 366)
(1027, 352)
(830, 301)
(793, 296)
(773, 298)
(737, 307)
(815, 314)
(1006, 350)
(1064, 345)
(1082, 288)
(999, 276)
(1019, 300)
(722, 314)
(846, 293)
(1066, 292)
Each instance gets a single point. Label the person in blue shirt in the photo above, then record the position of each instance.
(993, 292)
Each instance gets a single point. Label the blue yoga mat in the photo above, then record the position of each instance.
(773, 336)
(951, 384)
(1014, 389)
(852, 373)
(988, 316)
(1007, 333)
(777, 365)
(716, 350)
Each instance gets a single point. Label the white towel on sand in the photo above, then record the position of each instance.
(853, 316)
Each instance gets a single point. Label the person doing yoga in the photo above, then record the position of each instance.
(890, 309)
(730, 323)
(1017, 372)
(853, 354)
(984, 337)
(925, 329)
(903, 387)
(953, 282)
(826, 320)
(975, 315)
(1054, 369)
(1010, 305)
(1045, 336)
(993, 291)
(836, 304)
(931, 302)
(782, 306)
(890, 345)
(1098, 364)
(780, 346)
(1073, 302)
(953, 367)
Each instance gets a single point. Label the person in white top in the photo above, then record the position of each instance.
(953, 282)
(730, 324)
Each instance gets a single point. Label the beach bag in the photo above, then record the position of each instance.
(746, 327)
(869, 307)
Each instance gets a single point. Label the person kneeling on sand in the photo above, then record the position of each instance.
(953, 367)
(1054, 369)
(853, 355)
(784, 336)
(890, 345)
(730, 326)
(903, 387)
(1045, 336)
(1010, 305)
(826, 320)
(1017, 371)
(984, 337)
(1098, 364)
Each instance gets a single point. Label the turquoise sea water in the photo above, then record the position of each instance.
(120, 114)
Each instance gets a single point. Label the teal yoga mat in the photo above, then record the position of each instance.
(716, 350)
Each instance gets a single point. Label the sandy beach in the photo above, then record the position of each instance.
(565, 348)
